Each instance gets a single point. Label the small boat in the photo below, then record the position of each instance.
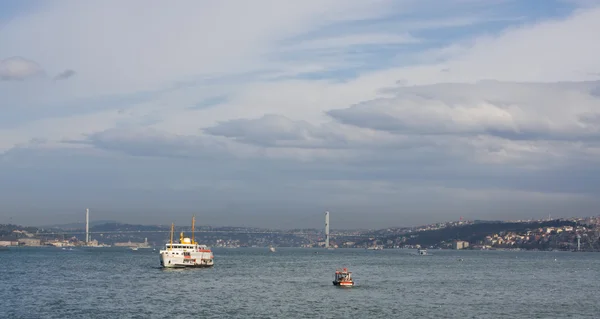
(343, 278)
(422, 251)
(134, 248)
(272, 249)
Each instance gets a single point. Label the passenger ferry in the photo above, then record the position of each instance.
(187, 253)
(343, 278)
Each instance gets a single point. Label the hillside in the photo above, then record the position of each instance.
(8, 229)
(472, 233)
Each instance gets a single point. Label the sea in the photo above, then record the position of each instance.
(297, 283)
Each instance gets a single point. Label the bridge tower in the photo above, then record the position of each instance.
(87, 226)
(326, 229)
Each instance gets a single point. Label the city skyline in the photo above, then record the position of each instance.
(309, 221)
(269, 113)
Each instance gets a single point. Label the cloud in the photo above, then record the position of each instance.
(65, 75)
(268, 130)
(18, 69)
(516, 111)
(332, 140)
(154, 143)
(210, 102)
(275, 193)
(351, 105)
(349, 41)
(528, 125)
(201, 51)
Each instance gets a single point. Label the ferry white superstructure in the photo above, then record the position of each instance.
(186, 253)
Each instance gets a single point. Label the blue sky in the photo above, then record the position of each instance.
(269, 113)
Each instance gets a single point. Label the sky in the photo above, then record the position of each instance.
(268, 113)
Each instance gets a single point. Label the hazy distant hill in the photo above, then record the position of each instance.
(71, 226)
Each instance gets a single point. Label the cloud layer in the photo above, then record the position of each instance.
(383, 112)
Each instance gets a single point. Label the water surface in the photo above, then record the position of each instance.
(296, 283)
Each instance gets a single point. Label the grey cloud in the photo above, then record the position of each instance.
(65, 75)
(272, 193)
(521, 124)
(275, 130)
(489, 122)
(519, 111)
(590, 119)
(154, 143)
(385, 153)
(18, 69)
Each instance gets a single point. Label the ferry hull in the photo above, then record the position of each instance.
(167, 262)
(186, 266)
(343, 284)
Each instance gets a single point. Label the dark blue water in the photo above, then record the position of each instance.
(296, 283)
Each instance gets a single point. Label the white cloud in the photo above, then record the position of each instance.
(353, 40)
(18, 68)
(149, 45)
(549, 51)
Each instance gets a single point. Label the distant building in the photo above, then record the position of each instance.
(460, 244)
(134, 244)
(29, 241)
(92, 242)
(8, 241)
